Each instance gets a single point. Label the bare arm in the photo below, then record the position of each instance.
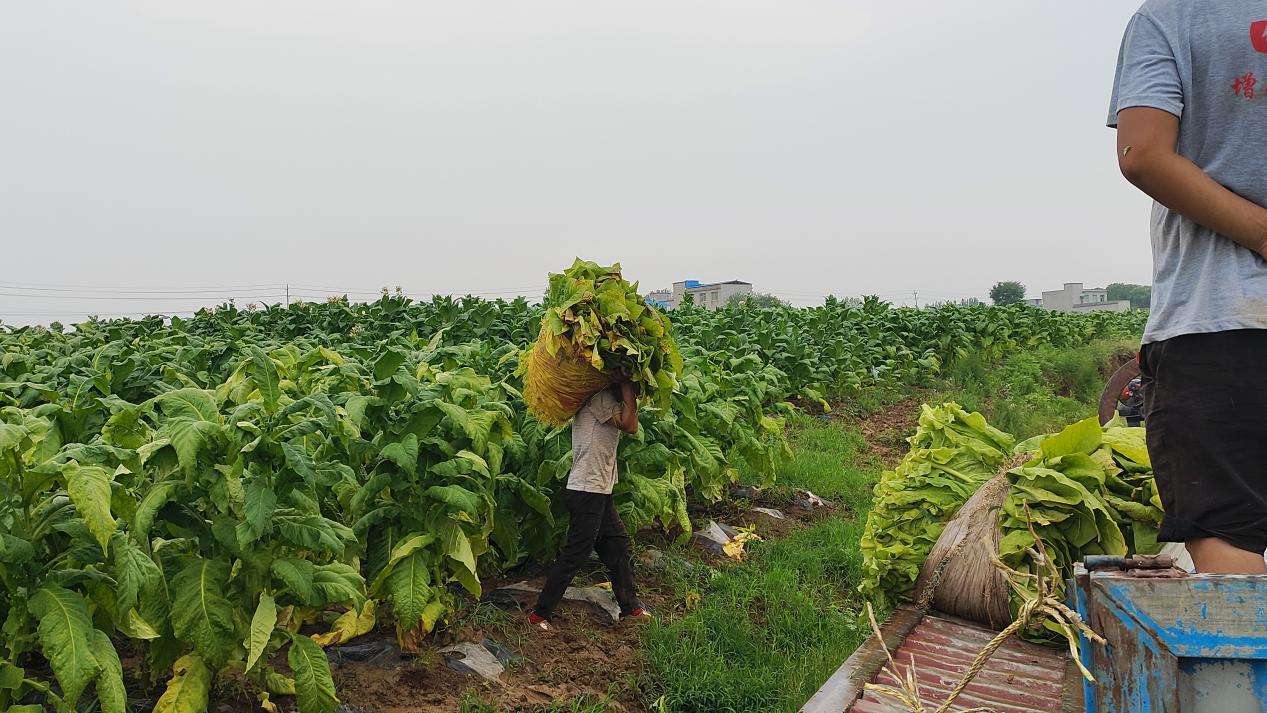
(627, 418)
(1146, 143)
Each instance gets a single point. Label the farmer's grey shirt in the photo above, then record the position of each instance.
(1204, 61)
(595, 437)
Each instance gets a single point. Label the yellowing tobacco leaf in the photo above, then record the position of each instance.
(350, 625)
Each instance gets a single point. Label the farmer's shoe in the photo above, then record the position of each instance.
(542, 623)
(640, 613)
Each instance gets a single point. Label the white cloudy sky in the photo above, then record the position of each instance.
(810, 147)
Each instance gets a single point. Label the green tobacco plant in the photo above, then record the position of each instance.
(59, 552)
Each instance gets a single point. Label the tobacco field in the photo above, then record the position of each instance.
(180, 498)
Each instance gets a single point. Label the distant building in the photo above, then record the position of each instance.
(662, 299)
(1075, 298)
(712, 295)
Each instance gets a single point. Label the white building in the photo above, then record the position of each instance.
(713, 295)
(660, 298)
(1075, 298)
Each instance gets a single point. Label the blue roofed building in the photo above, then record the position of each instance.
(712, 295)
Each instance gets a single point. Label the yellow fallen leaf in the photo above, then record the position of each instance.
(349, 626)
(734, 549)
(266, 704)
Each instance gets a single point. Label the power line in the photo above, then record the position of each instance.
(257, 291)
(807, 293)
(322, 295)
(392, 289)
(412, 295)
(124, 290)
(97, 314)
(341, 290)
(27, 295)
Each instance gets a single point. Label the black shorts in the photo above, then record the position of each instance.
(1205, 408)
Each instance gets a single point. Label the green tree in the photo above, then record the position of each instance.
(1140, 296)
(1007, 293)
(755, 299)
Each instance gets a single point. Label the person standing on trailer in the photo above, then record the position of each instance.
(594, 524)
(1190, 108)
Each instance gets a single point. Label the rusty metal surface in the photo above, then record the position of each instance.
(1139, 566)
(845, 686)
(1104, 563)
(1020, 678)
(1112, 390)
(1172, 573)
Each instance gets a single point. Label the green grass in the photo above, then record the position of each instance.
(827, 462)
(1034, 392)
(769, 631)
(472, 703)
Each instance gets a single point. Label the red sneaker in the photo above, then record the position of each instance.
(641, 613)
(539, 621)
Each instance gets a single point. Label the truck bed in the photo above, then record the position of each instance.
(1020, 677)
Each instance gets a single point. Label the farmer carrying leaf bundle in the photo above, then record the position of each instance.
(600, 345)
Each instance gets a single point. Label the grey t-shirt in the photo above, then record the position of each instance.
(1204, 61)
(594, 441)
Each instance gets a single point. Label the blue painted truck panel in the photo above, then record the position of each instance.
(1176, 643)
(1078, 600)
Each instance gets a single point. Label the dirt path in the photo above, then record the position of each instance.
(583, 656)
(886, 430)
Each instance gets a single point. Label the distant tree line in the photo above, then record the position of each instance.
(1140, 296)
(755, 299)
(1007, 293)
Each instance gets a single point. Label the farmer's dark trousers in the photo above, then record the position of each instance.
(595, 526)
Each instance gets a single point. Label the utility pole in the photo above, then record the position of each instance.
(287, 295)
(916, 299)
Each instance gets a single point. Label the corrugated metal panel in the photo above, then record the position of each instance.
(1019, 678)
(846, 685)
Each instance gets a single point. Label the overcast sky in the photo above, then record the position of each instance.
(811, 148)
